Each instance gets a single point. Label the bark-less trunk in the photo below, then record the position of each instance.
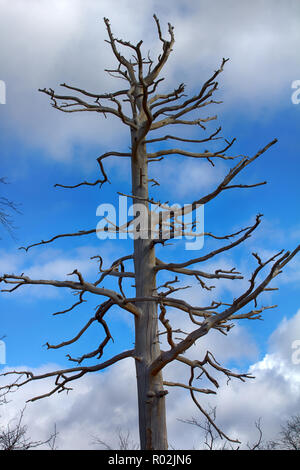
(149, 114)
(151, 397)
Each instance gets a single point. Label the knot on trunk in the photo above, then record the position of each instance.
(157, 394)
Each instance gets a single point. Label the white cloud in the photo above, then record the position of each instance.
(188, 178)
(62, 41)
(96, 420)
(51, 263)
(101, 404)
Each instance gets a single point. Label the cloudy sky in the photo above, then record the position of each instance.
(45, 43)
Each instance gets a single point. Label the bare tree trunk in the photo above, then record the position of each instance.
(151, 396)
(149, 112)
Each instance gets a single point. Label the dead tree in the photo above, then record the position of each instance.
(289, 436)
(6, 207)
(124, 442)
(14, 435)
(144, 110)
(211, 437)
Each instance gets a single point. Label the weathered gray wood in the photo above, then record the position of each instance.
(142, 77)
(151, 395)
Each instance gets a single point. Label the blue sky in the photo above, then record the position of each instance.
(41, 146)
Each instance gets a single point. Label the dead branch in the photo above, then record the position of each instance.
(250, 294)
(201, 409)
(73, 104)
(209, 87)
(198, 141)
(84, 286)
(247, 233)
(14, 436)
(151, 110)
(189, 387)
(62, 235)
(101, 311)
(80, 301)
(61, 377)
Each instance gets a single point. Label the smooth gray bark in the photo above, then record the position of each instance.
(151, 395)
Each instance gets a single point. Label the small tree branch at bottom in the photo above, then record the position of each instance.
(14, 436)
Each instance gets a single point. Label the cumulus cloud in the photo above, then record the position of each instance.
(188, 178)
(52, 263)
(102, 404)
(64, 42)
(274, 394)
(95, 405)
